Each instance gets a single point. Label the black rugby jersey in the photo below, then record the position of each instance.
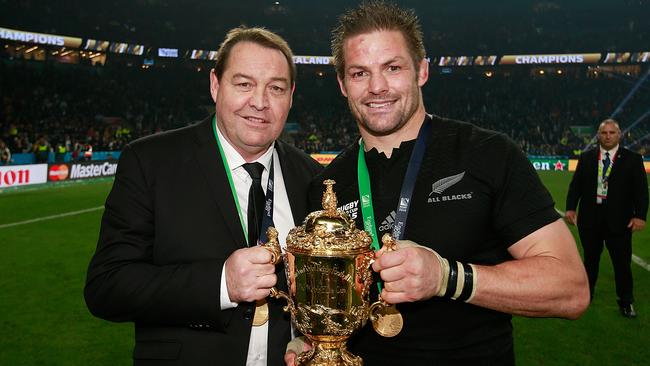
(476, 194)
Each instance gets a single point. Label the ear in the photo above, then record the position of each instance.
(423, 73)
(293, 89)
(214, 85)
(342, 85)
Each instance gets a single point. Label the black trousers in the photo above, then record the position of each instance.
(619, 246)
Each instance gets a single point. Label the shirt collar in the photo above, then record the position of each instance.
(235, 160)
(611, 152)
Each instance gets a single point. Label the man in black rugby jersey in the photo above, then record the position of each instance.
(479, 239)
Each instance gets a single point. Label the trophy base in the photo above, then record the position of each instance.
(328, 354)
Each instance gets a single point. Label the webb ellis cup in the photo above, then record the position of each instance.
(328, 268)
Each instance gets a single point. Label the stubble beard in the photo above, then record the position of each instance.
(396, 123)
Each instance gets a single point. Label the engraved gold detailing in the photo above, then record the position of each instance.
(327, 262)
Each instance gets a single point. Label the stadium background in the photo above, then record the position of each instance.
(126, 69)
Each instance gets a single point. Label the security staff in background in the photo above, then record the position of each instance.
(177, 252)
(480, 238)
(610, 190)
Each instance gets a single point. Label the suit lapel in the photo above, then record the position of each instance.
(618, 162)
(206, 153)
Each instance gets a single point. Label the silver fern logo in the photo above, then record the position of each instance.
(443, 184)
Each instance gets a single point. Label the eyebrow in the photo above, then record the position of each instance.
(276, 78)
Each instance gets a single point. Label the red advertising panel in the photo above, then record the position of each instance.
(22, 175)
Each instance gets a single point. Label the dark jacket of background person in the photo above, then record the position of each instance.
(627, 194)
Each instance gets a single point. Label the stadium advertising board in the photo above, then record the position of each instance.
(641, 57)
(22, 175)
(84, 170)
(540, 163)
(486, 60)
(131, 49)
(96, 45)
(573, 58)
(313, 60)
(617, 58)
(168, 52)
(455, 61)
(39, 38)
(203, 55)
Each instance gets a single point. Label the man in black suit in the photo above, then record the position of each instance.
(611, 185)
(176, 253)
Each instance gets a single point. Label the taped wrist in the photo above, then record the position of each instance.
(457, 280)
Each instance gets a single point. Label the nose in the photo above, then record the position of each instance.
(378, 84)
(259, 99)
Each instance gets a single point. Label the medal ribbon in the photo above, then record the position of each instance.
(404, 203)
(267, 219)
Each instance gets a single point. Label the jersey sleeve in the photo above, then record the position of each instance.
(522, 204)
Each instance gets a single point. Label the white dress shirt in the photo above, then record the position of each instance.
(282, 220)
(611, 152)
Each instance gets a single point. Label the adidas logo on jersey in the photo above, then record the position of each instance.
(389, 221)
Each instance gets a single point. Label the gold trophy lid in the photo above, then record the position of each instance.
(329, 231)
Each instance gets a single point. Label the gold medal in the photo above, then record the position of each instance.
(261, 313)
(388, 321)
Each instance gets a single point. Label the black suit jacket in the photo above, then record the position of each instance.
(169, 225)
(627, 192)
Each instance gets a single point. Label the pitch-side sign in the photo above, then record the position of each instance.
(82, 170)
(22, 175)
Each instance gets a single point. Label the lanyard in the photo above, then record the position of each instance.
(406, 192)
(605, 177)
(267, 219)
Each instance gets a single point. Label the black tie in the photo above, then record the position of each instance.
(255, 201)
(606, 164)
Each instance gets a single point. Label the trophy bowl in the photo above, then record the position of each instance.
(327, 261)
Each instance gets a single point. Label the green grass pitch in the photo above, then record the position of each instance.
(44, 321)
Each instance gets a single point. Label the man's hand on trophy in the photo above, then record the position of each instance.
(297, 346)
(410, 273)
(249, 274)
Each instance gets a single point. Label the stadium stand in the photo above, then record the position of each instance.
(548, 110)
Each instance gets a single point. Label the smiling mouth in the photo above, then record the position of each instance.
(380, 104)
(255, 119)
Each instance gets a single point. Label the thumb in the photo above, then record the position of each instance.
(290, 358)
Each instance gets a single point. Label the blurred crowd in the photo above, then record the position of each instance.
(49, 107)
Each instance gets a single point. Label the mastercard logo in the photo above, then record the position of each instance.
(58, 172)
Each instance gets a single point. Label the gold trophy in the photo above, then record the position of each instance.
(328, 268)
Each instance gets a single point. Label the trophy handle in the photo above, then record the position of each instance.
(273, 246)
(290, 307)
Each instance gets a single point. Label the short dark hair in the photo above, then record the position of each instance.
(257, 35)
(610, 121)
(377, 16)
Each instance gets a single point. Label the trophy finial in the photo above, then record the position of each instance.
(329, 197)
